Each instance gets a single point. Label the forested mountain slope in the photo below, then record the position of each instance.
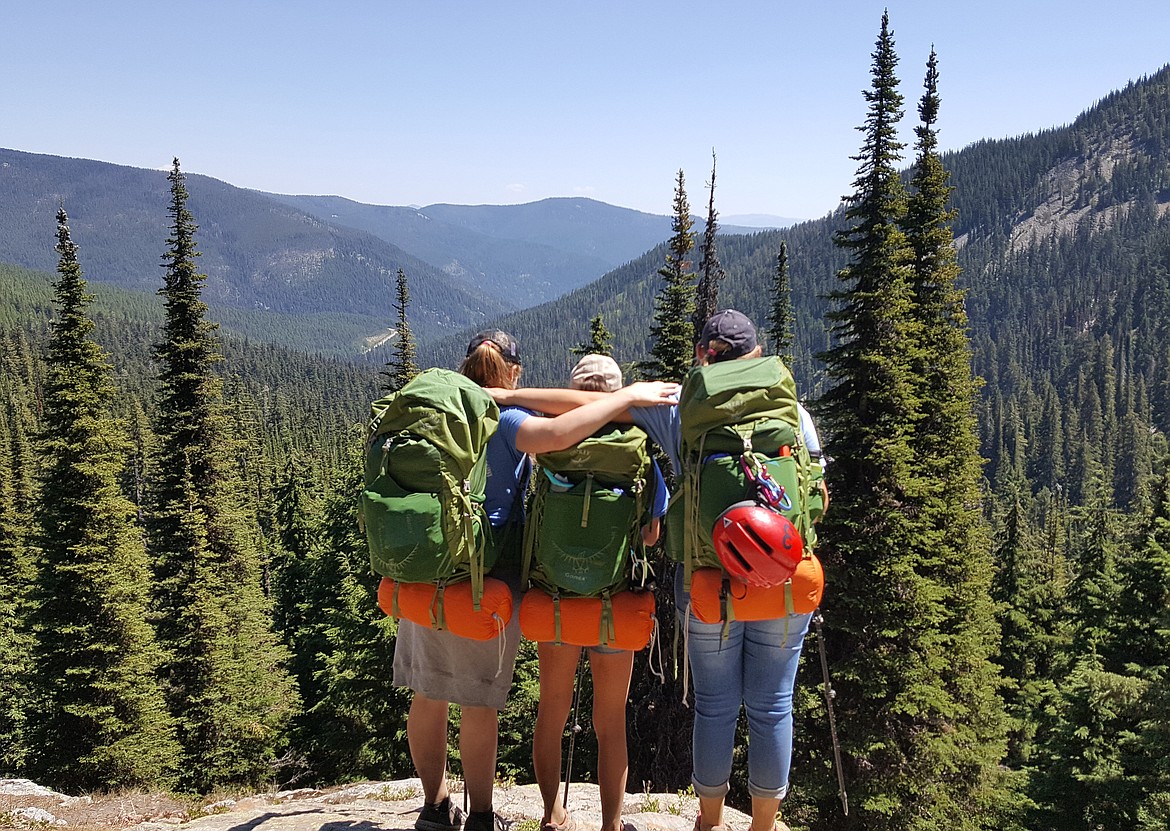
(1064, 245)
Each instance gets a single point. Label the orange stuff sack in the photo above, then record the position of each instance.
(449, 607)
(629, 621)
(800, 595)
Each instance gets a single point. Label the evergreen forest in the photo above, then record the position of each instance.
(983, 337)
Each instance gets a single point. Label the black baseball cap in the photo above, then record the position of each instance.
(502, 341)
(734, 329)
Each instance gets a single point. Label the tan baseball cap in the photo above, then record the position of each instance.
(599, 373)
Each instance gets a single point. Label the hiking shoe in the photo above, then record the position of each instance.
(699, 825)
(567, 824)
(442, 816)
(485, 821)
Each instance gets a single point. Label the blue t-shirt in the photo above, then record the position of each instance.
(507, 466)
(661, 498)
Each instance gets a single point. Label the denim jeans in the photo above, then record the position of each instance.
(756, 667)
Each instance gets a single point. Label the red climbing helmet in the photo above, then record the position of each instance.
(756, 544)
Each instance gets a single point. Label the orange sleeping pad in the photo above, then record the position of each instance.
(799, 595)
(449, 607)
(628, 625)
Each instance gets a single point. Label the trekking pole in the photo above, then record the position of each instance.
(575, 729)
(830, 694)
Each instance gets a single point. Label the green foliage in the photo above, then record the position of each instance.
(354, 720)
(710, 271)
(17, 566)
(600, 340)
(921, 725)
(223, 673)
(403, 365)
(673, 331)
(101, 720)
(781, 317)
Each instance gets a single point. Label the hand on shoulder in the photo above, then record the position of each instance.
(501, 395)
(651, 393)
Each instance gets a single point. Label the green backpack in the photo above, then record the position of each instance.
(735, 415)
(585, 519)
(425, 473)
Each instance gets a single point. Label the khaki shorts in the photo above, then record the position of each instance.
(446, 667)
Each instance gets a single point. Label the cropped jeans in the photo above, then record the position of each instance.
(756, 667)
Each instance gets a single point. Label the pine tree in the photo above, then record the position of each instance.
(17, 572)
(946, 445)
(356, 726)
(102, 720)
(224, 672)
(403, 364)
(782, 317)
(600, 340)
(1028, 592)
(907, 709)
(673, 331)
(711, 273)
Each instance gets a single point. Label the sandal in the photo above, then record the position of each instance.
(567, 824)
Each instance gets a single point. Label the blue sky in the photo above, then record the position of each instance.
(508, 101)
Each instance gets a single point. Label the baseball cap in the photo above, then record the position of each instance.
(596, 372)
(734, 329)
(502, 340)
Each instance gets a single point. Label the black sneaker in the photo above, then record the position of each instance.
(486, 821)
(442, 816)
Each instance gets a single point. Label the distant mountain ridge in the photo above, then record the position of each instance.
(258, 254)
(310, 260)
(523, 254)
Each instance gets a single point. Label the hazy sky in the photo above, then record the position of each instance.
(503, 101)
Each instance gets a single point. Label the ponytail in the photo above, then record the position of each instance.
(486, 366)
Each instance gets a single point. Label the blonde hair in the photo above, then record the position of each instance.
(487, 367)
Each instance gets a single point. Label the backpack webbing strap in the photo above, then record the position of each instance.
(727, 612)
(475, 555)
(438, 616)
(608, 632)
(789, 605)
(585, 505)
(395, 612)
(556, 598)
(692, 536)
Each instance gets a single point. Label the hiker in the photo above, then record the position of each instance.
(442, 668)
(736, 663)
(610, 667)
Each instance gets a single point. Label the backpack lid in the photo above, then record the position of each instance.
(735, 392)
(443, 407)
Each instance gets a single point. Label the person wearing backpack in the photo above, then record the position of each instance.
(611, 667)
(442, 668)
(734, 663)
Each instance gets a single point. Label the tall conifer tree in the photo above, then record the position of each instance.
(900, 693)
(673, 330)
(956, 539)
(224, 673)
(102, 721)
(781, 316)
(711, 273)
(403, 364)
